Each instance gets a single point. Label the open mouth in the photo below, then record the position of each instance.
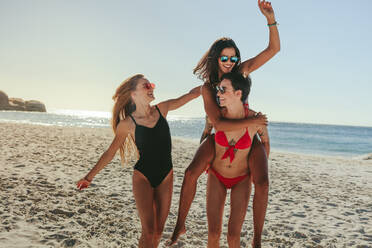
(221, 100)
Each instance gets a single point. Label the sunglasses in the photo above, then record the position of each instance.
(233, 59)
(148, 86)
(221, 89)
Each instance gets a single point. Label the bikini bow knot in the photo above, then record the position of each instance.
(229, 153)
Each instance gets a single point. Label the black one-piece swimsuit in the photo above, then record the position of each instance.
(155, 149)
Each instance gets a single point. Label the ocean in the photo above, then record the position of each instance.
(301, 138)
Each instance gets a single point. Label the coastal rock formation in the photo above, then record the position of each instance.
(17, 101)
(34, 105)
(18, 104)
(4, 100)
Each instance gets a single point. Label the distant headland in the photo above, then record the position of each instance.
(18, 104)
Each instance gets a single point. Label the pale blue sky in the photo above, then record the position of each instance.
(73, 54)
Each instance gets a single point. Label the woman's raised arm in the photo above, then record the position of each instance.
(274, 42)
(176, 103)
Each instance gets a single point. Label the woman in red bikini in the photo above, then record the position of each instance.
(222, 57)
(229, 169)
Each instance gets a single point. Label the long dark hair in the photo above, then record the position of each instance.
(207, 68)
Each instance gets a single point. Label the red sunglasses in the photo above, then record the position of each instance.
(149, 86)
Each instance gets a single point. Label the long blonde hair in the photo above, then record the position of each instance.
(122, 108)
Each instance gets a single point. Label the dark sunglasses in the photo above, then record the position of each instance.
(233, 59)
(148, 86)
(221, 89)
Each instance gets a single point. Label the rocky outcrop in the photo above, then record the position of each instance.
(17, 101)
(18, 104)
(34, 105)
(4, 100)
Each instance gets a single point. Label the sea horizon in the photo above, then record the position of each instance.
(107, 114)
(300, 138)
(170, 115)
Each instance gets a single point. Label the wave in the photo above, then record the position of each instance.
(345, 141)
(366, 156)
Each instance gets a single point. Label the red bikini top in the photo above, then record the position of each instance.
(243, 143)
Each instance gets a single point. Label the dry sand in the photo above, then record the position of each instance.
(314, 201)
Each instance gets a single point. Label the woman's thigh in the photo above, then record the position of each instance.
(216, 196)
(203, 156)
(257, 162)
(163, 199)
(239, 199)
(144, 197)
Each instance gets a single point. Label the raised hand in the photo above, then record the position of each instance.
(266, 10)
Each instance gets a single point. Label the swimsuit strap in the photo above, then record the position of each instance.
(156, 106)
(133, 119)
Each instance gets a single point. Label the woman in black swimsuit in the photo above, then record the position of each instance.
(134, 119)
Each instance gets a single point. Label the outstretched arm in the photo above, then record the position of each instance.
(274, 42)
(121, 134)
(223, 124)
(173, 104)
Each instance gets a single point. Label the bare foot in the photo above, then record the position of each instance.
(178, 231)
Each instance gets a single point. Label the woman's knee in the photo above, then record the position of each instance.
(159, 229)
(233, 234)
(148, 233)
(157, 234)
(214, 233)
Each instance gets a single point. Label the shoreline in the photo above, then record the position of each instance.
(366, 156)
(313, 201)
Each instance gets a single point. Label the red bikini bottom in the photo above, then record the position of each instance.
(228, 182)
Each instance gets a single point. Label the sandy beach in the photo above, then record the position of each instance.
(314, 201)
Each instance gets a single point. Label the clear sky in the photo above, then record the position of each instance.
(73, 54)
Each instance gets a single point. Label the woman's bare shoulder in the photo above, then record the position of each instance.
(127, 125)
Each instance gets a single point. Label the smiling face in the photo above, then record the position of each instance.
(227, 95)
(225, 67)
(144, 91)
